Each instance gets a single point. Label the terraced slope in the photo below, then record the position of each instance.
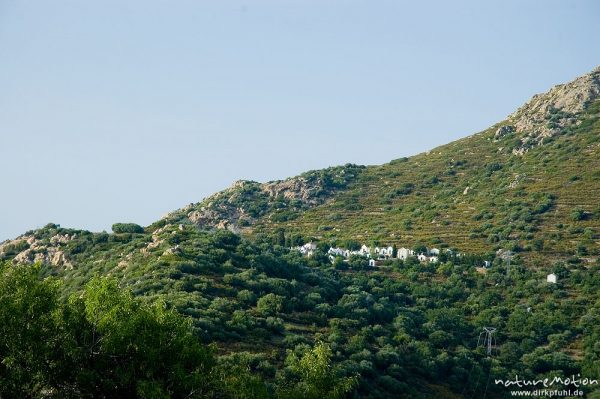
(530, 183)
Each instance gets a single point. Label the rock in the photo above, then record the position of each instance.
(503, 131)
(26, 256)
(549, 114)
(173, 251)
(60, 239)
(58, 258)
(518, 178)
(238, 207)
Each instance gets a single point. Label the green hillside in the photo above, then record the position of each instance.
(210, 301)
(530, 183)
(474, 194)
(403, 329)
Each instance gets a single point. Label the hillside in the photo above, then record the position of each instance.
(404, 329)
(530, 182)
(401, 329)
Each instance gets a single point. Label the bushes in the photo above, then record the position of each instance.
(405, 324)
(132, 228)
(578, 214)
(317, 378)
(403, 190)
(270, 304)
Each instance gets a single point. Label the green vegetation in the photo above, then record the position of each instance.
(119, 228)
(253, 315)
(472, 194)
(179, 309)
(106, 343)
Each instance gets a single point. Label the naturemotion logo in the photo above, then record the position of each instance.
(547, 382)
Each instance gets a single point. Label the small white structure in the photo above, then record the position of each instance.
(310, 246)
(433, 259)
(388, 252)
(307, 249)
(372, 262)
(384, 252)
(487, 264)
(434, 251)
(551, 278)
(404, 253)
(422, 258)
(365, 251)
(337, 252)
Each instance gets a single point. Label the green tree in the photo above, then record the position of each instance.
(137, 349)
(101, 343)
(316, 376)
(29, 331)
(270, 304)
(280, 238)
(127, 228)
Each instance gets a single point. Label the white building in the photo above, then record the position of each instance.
(310, 246)
(384, 252)
(551, 278)
(405, 253)
(388, 252)
(434, 251)
(307, 249)
(365, 251)
(487, 264)
(433, 259)
(422, 258)
(337, 252)
(372, 262)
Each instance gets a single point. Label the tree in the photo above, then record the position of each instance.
(270, 304)
(102, 343)
(316, 377)
(119, 228)
(280, 238)
(29, 328)
(578, 214)
(137, 349)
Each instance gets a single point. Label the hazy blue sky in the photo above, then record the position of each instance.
(124, 110)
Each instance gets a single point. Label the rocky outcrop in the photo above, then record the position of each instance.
(240, 205)
(293, 189)
(33, 250)
(549, 114)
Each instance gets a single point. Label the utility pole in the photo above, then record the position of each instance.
(489, 341)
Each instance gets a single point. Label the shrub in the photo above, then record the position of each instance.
(120, 228)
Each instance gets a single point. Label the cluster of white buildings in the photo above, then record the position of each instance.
(383, 253)
(374, 254)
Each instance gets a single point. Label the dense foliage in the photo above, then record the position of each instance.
(263, 320)
(105, 343)
(172, 310)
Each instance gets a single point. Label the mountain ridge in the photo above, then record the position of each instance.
(556, 115)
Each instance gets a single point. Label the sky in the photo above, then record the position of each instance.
(121, 111)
